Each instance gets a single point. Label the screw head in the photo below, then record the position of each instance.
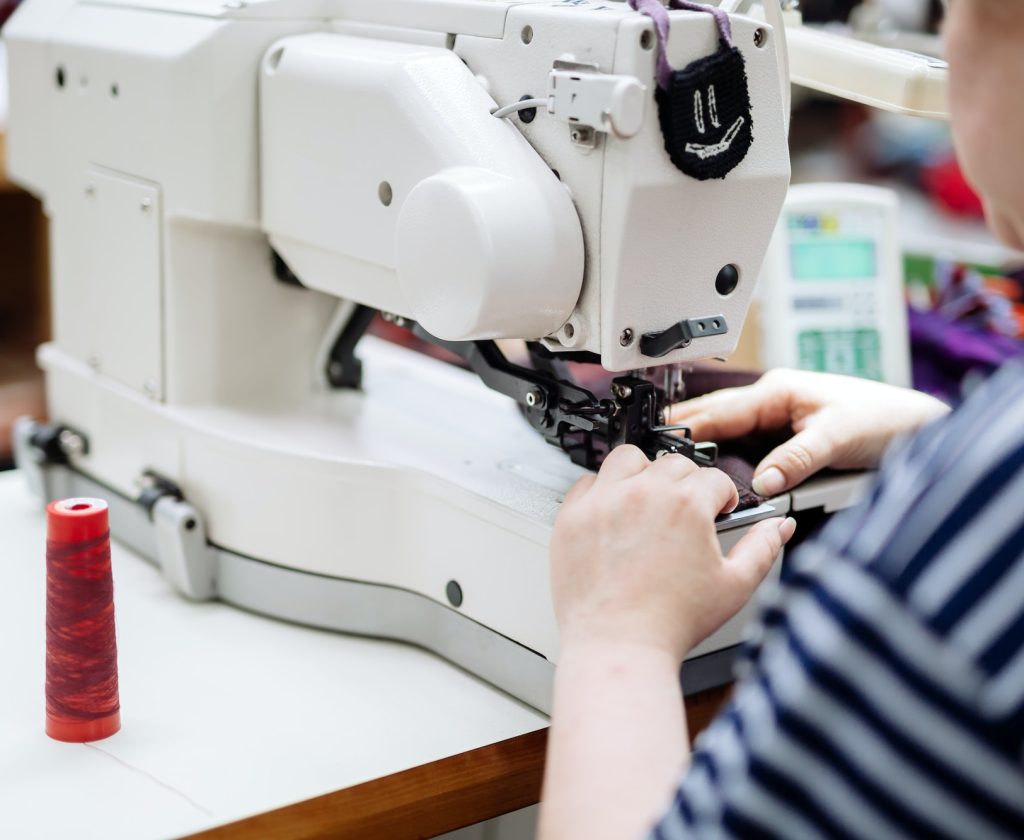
(760, 37)
(727, 280)
(146, 204)
(534, 398)
(454, 593)
(626, 337)
(71, 443)
(527, 115)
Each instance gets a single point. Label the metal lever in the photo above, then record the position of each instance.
(658, 344)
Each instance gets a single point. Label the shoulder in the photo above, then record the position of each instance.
(942, 531)
(881, 692)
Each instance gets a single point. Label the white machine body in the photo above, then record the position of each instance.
(175, 143)
(832, 286)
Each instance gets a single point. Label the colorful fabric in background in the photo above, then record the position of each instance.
(974, 324)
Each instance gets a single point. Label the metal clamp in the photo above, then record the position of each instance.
(658, 344)
(184, 556)
(582, 96)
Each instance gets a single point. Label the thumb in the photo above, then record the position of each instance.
(752, 557)
(793, 462)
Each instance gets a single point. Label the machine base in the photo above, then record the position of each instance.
(351, 606)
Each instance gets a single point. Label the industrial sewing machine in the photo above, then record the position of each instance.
(236, 188)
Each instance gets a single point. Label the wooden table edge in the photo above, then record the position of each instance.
(431, 799)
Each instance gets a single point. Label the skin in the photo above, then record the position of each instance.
(637, 575)
(985, 49)
(638, 579)
(838, 421)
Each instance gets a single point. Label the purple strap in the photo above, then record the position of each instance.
(659, 15)
(721, 18)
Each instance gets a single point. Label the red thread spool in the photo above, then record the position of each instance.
(81, 649)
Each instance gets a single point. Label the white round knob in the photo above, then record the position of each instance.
(482, 255)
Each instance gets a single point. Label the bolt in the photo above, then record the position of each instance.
(71, 443)
(147, 203)
(527, 115)
(622, 392)
(626, 338)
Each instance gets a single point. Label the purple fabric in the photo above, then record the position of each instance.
(945, 352)
(659, 15)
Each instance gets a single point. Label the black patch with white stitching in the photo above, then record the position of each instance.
(705, 115)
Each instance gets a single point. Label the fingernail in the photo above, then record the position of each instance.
(787, 527)
(769, 483)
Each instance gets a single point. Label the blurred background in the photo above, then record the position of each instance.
(24, 287)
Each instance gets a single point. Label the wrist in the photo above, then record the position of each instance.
(612, 640)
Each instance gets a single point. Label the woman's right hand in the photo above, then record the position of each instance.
(838, 421)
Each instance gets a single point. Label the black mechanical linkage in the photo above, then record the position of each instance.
(344, 370)
(567, 415)
(572, 417)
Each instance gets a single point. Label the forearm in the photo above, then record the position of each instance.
(618, 741)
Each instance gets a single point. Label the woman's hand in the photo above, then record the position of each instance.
(838, 421)
(635, 556)
(638, 579)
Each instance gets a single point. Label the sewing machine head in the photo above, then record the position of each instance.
(379, 152)
(389, 178)
(386, 180)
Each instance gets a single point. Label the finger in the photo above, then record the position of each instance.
(794, 461)
(579, 489)
(734, 412)
(621, 463)
(673, 466)
(753, 556)
(713, 491)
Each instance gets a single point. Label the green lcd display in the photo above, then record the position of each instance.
(833, 259)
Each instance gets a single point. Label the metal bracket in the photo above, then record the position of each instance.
(37, 445)
(184, 556)
(658, 344)
(582, 96)
(29, 458)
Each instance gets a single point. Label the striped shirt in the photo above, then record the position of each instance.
(881, 693)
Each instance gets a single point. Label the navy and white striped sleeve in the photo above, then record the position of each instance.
(882, 692)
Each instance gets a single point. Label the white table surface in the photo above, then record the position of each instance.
(224, 713)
